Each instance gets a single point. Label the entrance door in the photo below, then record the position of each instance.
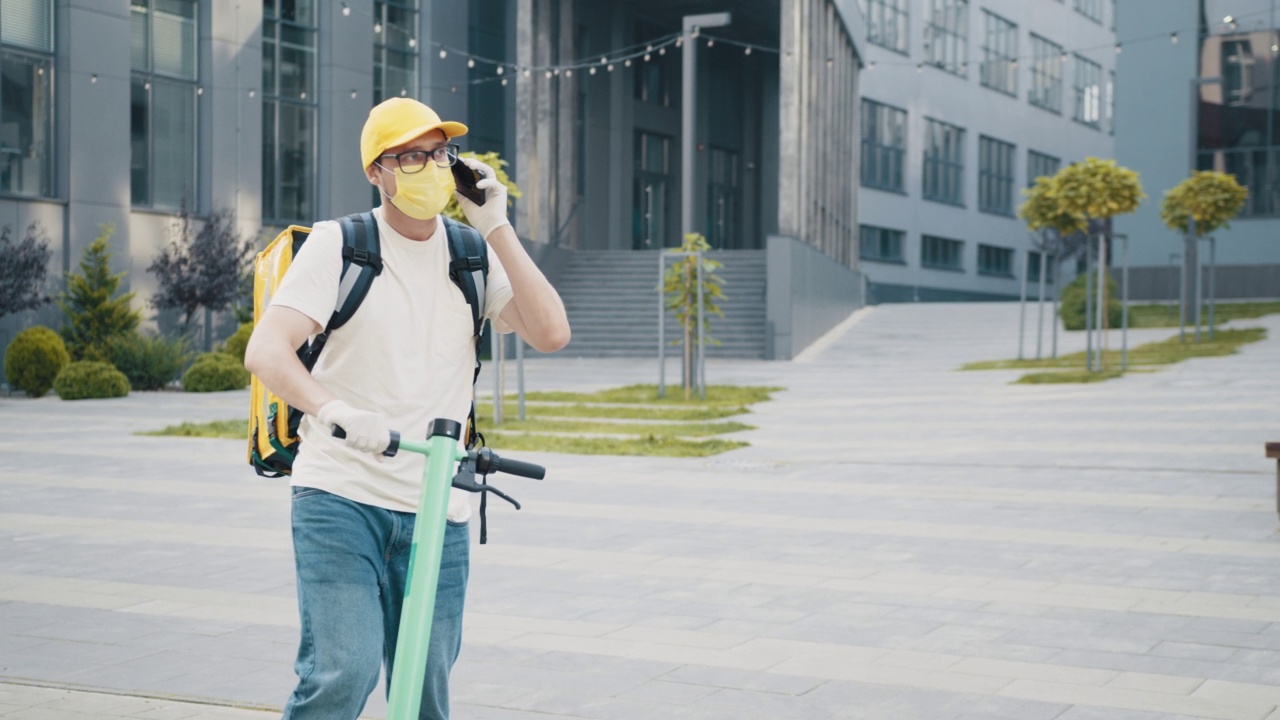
(722, 200)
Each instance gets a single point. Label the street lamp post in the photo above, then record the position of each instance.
(688, 116)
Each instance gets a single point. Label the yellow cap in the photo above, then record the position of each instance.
(397, 121)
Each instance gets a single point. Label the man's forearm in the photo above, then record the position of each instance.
(539, 304)
(279, 368)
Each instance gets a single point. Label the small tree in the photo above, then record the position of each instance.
(95, 315)
(495, 161)
(680, 285)
(23, 268)
(204, 269)
(1212, 199)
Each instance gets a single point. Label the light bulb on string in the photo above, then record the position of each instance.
(353, 94)
(504, 82)
(501, 69)
(628, 62)
(647, 56)
(1173, 38)
(471, 62)
(679, 41)
(413, 42)
(610, 68)
(747, 51)
(346, 10)
(592, 71)
(568, 73)
(556, 71)
(199, 91)
(526, 72)
(711, 42)
(548, 74)
(377, 28)
(405, 91)
(443, 53)
(93, 79)
(1119, 48)
(662, 51)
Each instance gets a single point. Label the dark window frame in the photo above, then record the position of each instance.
(884, 147)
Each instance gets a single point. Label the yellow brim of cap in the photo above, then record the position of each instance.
(451, 130)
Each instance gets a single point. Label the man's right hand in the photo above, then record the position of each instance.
(366, 431)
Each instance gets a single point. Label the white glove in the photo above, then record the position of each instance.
(366, 431)
(493, 213)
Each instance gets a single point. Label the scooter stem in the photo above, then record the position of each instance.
(410, 663)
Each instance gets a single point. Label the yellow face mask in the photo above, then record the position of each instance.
(424, 194)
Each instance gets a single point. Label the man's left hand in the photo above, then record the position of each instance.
(493, 213)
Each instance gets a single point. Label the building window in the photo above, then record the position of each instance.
(994, 260)
(884, 146)
(163, 103)
(941, 253)
(1088, 92)
(652, 182)
(1041, 165)
(26, 97)
(946, 36)
(999, 54)
(887, 23)
(1091, 9)
(880, 244)
(395, 49)
(995, 176)
(1033, 268)
(653, 83)
(944, 163)
(288, 110)
(1046, 74)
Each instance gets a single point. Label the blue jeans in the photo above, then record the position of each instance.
(352, 562)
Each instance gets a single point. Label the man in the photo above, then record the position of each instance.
(406, 356)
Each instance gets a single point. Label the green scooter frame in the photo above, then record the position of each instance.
(443, 455)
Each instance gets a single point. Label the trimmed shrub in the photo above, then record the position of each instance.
(1073, 303)
(238, 341)
(215, 372)
(33, 360)
(88, 379)
(150, 362)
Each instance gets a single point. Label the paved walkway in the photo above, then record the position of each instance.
(900, 541)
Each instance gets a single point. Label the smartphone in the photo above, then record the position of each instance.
(465, 178)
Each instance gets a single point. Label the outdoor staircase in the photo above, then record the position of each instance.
(611, 298)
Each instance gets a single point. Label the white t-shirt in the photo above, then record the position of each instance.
(407, 353)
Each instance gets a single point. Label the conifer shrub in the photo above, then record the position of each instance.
(238, 341)
(96, 310)
(215, 372)
(90, 379)
(150, 362)
(33, 360)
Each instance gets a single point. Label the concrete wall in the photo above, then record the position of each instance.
(808, 294)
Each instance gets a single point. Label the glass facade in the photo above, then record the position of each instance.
(26, 97)
(395, 49)
(487, 96)
(163, 98)
(288, 110)
(1238, 111)
(652, 192)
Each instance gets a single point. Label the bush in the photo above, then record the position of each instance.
(86, 379)
(236, 344)
(33, 360)
(1073, 303)
(150, 363)
(215, 372)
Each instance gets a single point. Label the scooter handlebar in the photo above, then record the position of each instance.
(392, 448)
(488, 461)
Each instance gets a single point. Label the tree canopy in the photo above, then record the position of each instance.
(1211, 198)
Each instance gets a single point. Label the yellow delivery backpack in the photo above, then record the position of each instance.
(273, 423)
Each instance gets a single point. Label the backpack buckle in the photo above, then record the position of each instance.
(471, 263)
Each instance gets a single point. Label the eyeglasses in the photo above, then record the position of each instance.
(413, 161)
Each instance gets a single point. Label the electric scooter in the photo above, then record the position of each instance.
(443, 455)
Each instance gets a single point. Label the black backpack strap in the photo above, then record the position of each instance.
(360, 247)
(468, 267)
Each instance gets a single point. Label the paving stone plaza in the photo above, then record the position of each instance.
(900, 540)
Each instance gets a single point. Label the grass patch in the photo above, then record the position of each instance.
(588, 423)
(1066, 376)
(1159, 316)
(535, 425)
(1163, 352)
(650, 445)
(230, 429)
(648, 395)
(633, 412)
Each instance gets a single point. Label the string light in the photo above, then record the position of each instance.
(592, 71)
(1119, 48)
(471, 62)
(501, 69)
(711, 42)
(444, 54)
(346, 10)
(377, 28)
(93, 79)
(1173, 37)
(747, 51)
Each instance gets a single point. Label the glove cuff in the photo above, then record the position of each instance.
(491, 225)
(328, 412)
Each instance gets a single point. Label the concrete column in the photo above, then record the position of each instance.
(230, 120)
(345, 85)
(790, 97)
(566, 159)
(526, 148)
(92, 124)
